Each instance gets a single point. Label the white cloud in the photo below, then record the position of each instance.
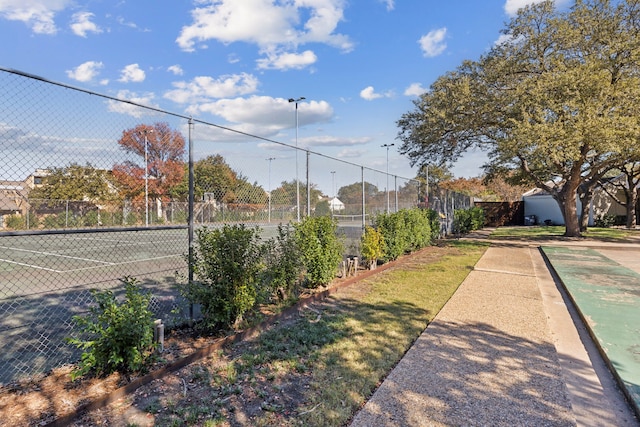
(273, 26)
(433, 44)
(414, 89)
(333, 141)
(350, 153)
(81, 24)
(132, 73)
(176, 70)
(204, 88)
(130, 109)
(264, 115)
(286, 61)
(511, 7)
(390, 4)
(37, 14)
(370, 94)
(85, 72)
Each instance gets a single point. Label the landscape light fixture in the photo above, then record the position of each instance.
(387, 147)
(297, 180)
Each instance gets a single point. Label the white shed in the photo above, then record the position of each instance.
(336, 205)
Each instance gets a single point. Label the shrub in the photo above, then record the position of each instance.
(283, 265)
(116, 336)
(226, 264)
(320, 249)
(394, 235)
(434, 224)
(404, 231)
(605, 221)
(416, 222)
(467, 220)
(372, 245)
(15, 222)
(91, 219)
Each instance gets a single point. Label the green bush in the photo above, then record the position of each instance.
(15, 222)
(226, 264)
(605, 221)
(320, 249)
(55, 221)
(467, 220)
(434, 224)
(91, 219)
(115, 336)
(372, 245)
(404, 231)
(283, 266)
(395, 236)
(416, 221)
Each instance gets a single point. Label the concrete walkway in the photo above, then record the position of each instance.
(508, 349)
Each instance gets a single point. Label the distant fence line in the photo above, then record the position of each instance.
(78, 211)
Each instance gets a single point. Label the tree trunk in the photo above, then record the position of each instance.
(566, 199)
(585, 199)
(631, 205)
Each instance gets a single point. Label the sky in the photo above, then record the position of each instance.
(359, 64)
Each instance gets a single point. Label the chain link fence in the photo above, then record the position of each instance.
(94, 189)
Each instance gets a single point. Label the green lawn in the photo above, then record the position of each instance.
(544, 231)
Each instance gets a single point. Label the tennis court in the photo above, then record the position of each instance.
(46, 279)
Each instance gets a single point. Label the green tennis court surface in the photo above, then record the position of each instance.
(607, 295)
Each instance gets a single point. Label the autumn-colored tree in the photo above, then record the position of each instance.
(163, 149)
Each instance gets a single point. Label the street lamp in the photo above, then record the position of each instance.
(146, 177)
(297, 180)
(269, 160)
(387, 147)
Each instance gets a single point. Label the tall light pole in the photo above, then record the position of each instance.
(333, 188)
(387, 147)
(146, 177)
(427, 204)
(269, 160)
(297, 180)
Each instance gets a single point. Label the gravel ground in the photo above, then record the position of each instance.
(502, 352)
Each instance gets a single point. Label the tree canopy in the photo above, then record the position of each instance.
(554, 101)
(164, 151)
(76, 183)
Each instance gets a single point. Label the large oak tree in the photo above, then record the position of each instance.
(555, 101)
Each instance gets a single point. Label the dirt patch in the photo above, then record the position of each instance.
(215, 388)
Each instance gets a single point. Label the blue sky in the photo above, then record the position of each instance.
(235, 63)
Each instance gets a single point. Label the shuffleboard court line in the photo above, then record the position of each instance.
(57, 255)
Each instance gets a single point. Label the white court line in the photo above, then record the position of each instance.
(119, 263)
(85, 268)
(57, 255)
(31, 266)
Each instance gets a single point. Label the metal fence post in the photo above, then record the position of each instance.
(395, 189)
(191, 219)
(308, 187)
(363, 199)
